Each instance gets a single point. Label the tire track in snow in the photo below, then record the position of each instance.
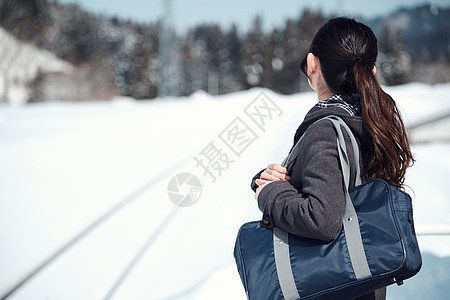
(100, 220)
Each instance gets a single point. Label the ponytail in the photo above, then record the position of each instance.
(347, 51)
(391, 151)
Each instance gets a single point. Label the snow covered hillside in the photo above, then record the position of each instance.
(106, 167)
(20, 63)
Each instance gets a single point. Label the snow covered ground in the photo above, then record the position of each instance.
(64, 165)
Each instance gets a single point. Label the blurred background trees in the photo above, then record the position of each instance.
(111, 57)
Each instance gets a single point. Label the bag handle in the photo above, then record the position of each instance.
(289, 160)
(350, 220)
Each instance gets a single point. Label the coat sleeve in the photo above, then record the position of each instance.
(253, 185)
(316, 210)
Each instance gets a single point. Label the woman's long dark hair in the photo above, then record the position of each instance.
(347, 51)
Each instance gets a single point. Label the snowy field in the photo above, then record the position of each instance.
(65, 165)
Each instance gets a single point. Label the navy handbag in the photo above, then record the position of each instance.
(376, 247)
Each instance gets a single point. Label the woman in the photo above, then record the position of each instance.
(310, 201)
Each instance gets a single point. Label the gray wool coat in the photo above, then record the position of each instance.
(312, 203)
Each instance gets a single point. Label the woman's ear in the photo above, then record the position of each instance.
(312, 63)
(374, 70)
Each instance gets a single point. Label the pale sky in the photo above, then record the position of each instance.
(187, 13)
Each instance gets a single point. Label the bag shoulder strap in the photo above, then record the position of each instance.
(350, 220)
(289, 160)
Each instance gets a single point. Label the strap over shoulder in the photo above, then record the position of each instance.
(350, 220)
(289, 160)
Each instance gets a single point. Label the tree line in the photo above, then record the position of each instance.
(150, 60)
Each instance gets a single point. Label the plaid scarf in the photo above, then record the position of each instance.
(350, 103)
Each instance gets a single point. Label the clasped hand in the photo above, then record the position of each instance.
(272, 173)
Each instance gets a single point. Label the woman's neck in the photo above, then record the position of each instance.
(324, 93)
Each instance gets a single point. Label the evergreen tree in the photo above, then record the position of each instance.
(124, 57)
(394, 62)
(253, 54)
(233, 75)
